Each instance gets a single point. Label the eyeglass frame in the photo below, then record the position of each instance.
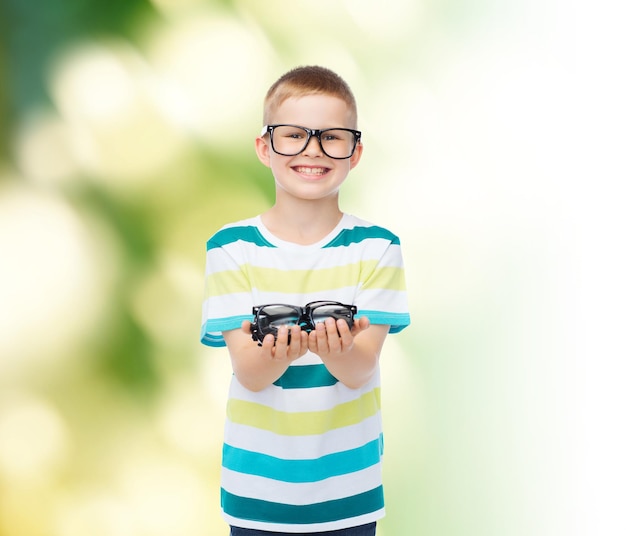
(305, 319)
(310, 133)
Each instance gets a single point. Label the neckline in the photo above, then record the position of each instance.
(279, 242)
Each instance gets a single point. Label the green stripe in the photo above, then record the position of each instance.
(234, 234)
(304, 423)
(305, 281)
(324, 512)
(306, 376)
(227, 282)
(388, 278)
(358, 234)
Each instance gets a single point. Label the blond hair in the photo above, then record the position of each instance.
(308, 80)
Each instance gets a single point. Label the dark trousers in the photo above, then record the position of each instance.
(363, 530)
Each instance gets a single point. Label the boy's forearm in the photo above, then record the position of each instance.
(258, 367)
(352, 360)
(256, 373)
(355, 368)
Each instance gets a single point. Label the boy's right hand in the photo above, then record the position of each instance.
(257, 368)
(290, 344)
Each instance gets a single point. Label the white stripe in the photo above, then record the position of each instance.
(303, 447)
(344, 295)
(369, 249)
(393, 301)
(222, 306)
(226, 306)
(329, 258)
(392, 258)
(307, 359)
(302, 400)
(337, 487)
(221, 259)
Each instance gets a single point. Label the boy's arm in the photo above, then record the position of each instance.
(350, 356)
(258, 367)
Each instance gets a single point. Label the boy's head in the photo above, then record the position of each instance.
(308, 80)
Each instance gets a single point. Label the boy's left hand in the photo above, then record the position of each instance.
(333, 338)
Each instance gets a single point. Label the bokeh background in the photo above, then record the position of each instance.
(126, 140)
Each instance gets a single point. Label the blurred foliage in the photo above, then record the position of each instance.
(35, 34)
(104, 412)
(35, 31)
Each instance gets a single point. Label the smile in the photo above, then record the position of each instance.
(313, 171)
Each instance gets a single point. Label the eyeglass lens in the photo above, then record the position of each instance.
(271, 317)
(291, 140)
(322, 312)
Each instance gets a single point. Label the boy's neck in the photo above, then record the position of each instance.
(304, 223)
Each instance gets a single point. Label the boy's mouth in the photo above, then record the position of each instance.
(311, 171)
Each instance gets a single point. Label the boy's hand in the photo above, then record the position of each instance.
(257, 368)
(334, 338)
(290, 344)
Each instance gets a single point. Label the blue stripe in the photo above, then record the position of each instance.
(396, 321)
(234, 234)
(298, 471)
(211, 328)
(305, 377)
(358, 234)
(210, 340)
(324, 512)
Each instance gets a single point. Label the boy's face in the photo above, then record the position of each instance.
(311, 174)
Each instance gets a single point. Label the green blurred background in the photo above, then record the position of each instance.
(126, 135)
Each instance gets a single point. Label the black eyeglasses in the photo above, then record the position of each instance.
(290, 140)
(268, 318)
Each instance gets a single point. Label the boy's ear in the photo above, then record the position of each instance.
(263, 150)
(356, 157)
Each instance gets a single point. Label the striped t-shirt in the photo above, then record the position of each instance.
(304, 454)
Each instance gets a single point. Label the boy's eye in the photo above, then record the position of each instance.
(335, 135)
(294, 134)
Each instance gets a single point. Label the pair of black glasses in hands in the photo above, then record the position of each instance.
(269, 318)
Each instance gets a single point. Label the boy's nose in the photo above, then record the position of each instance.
(313, 146)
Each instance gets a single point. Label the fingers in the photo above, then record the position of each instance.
(331, 337)
(360, 324)
(290, 343)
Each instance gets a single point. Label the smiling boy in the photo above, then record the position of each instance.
(303, 438)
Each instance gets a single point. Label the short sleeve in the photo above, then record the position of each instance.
(227, 296)
(382, 296)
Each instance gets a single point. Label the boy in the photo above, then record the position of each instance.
(303, 438)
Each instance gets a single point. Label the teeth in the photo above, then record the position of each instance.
(311, 171)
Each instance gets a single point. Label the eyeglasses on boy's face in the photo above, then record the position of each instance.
(268, 318)
(290, 140)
